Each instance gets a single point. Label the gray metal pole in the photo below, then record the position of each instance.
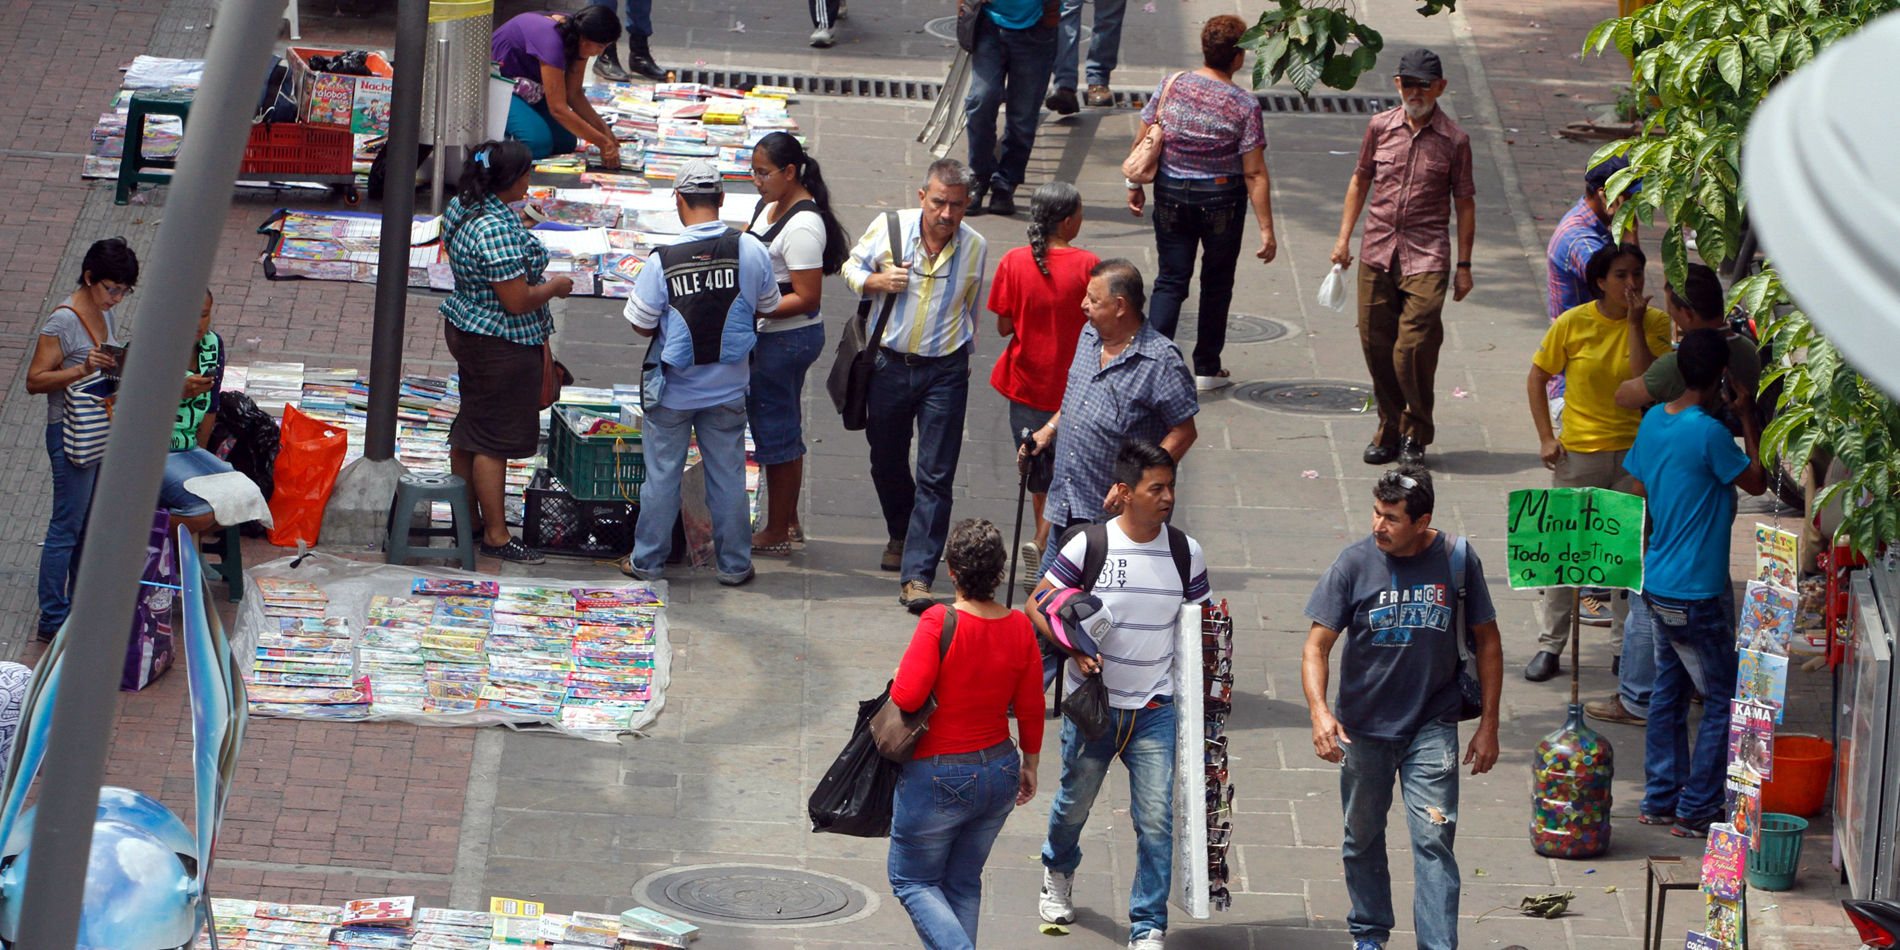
(199, 198)
(399, 208)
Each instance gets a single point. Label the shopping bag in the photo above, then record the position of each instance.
(309, 455)
(1087, 707)
(856, 794)
(1332, 289)
(149, 649)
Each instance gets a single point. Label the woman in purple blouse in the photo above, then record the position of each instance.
(546, 55)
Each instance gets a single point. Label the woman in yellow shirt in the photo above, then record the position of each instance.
(1596, 346)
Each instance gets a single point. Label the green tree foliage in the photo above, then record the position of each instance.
(1709, 64)
(1317, 43)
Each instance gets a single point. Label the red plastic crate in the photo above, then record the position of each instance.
(298, 148)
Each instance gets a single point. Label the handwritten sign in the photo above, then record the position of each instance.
(1575, 537)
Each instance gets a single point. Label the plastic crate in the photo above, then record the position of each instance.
(298, 148)
(593, 467)
(555, 522)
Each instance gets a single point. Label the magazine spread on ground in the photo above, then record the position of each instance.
(487, 662)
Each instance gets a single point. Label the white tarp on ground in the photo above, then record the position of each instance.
(351, 584)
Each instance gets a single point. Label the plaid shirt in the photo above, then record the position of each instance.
(1141, 394)
(1411, 179)
(487, 246)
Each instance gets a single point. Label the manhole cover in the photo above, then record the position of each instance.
(943, 28)
(1241, 328)
(1309, 396)
(752, 895)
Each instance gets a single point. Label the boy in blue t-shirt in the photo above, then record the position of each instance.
(1688, 466)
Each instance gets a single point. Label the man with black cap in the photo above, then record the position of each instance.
(1585, 230)
(698, 299)
(1414, 167)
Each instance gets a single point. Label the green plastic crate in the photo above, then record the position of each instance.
(593, 467)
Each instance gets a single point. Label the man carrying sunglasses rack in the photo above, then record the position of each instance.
(1414, 167)
(1142, 591)
(1402, 599)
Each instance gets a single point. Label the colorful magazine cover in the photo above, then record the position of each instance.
(1762, 679)
(1767, 622)
(1725, 922)
(1724, 861)
(1751, 734)
(1775, 557)
(1742, 792)
(444, 587)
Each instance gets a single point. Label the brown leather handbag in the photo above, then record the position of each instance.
(894, 731)
(1144, 159)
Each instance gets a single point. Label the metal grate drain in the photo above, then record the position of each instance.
(1241, 328)
(1306, 396)
(752, 895)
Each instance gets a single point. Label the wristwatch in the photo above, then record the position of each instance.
(1465, 264)
(1132, 184)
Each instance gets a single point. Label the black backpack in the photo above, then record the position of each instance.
(1095, 552)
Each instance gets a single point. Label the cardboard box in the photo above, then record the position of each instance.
(360, 102)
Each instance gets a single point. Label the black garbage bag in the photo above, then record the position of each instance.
(353, 62)
(1088, 708)
(247, 437)
(855, 796)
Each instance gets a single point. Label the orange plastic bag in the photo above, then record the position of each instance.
(308, 460)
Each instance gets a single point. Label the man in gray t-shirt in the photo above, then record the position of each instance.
(1393, 596)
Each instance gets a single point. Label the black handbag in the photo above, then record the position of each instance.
(968, 12)
(856, 795)
(856, 359)
(1088, 708)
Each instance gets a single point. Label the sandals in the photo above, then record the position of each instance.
(783, 549)
(1648, 819)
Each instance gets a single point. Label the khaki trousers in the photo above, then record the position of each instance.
(1557, 604)
(1400, 330)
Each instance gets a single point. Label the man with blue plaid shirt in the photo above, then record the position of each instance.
(1128, 383)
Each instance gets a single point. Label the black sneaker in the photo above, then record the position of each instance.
(1002, 202)
(1062, 102)
(1692, 827)
(514, 551)
(1410, 452)
(978, 194)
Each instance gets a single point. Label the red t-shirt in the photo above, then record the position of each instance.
(991, 664)
(1034, 367)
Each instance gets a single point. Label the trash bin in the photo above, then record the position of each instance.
(1803, 766)
(1772, 865)
(455, 82)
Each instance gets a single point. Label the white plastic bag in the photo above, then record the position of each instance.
(1332, 290)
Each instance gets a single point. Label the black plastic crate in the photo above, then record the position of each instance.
(556, 522)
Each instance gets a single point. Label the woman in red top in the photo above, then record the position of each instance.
(1037, 298)
(955, 794)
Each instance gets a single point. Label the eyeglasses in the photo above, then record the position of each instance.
(115, 290)
(1406, 482)
(758, 172)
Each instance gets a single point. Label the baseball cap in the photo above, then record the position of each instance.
(1077, 619)
(1421, 64)
(1599, 174)
(698, 177)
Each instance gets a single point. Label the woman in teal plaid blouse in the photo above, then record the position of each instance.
(497, 325)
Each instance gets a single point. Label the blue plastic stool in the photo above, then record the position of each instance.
(422, 488)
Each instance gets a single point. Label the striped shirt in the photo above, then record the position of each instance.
(1142, 591)
(936, 316)
(1578, 236)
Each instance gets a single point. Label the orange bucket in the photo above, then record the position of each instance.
(1803, 766)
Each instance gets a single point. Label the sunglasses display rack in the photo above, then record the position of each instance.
(1203, 796)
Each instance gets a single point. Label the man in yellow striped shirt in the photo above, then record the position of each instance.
(934, 268)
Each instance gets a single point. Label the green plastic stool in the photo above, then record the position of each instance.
(229, 549)
(132, 163)
(422, 488)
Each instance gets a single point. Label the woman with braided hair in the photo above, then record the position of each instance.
(1037, 298)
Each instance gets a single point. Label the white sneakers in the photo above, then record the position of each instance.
(821, 37)
(1057, 905)
(1148, 941)
(1208, 384)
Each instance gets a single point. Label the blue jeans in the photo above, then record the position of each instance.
(1190, 215)
(1008, 69)
(779, 363)
(663, 441)
(1427, 770)
(948, 811)
(59, 559)
(535, 127)
(640, 17)
(1105, 41)
(180, 467)
(1636, 679)
(931, 394)
(1145, 738)
(1696, 654)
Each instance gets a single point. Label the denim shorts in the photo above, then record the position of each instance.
(181, 467)
(779, 363)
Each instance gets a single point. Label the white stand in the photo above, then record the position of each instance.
(1190, 772)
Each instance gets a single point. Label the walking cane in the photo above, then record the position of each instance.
(1016, 542)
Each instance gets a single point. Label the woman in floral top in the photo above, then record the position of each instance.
(497, 324)
(1213, 164)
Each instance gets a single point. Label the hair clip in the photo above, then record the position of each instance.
(481, 158)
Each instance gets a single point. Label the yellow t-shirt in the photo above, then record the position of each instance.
(1592, 351)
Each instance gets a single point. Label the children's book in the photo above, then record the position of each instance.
(1762, 679)
(1775, 559)
(1767, 622)
(1724, 861)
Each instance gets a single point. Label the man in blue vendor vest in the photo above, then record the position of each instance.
(698, 298)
